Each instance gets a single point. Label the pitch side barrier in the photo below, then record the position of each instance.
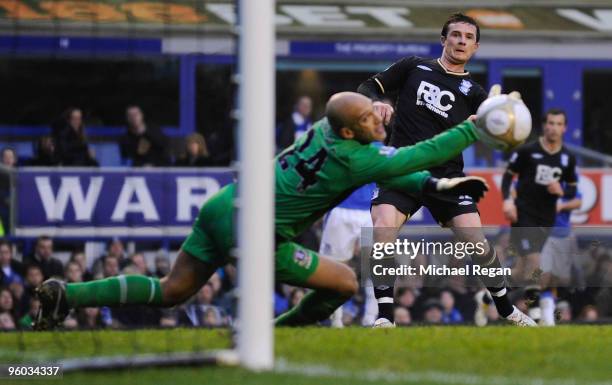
(162, 203)
(104, 203)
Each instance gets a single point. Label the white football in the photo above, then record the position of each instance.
(503, 122)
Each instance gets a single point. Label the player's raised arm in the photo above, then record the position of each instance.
(376, 164)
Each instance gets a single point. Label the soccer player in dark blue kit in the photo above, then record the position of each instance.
(541, 166)
(434, 95)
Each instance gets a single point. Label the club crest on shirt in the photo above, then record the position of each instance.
(465, 86)
(564, 160)
(302, 259)
(387, 151)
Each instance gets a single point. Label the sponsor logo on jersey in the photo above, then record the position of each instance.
(545, 174)
(435, 99)
(424, 67)
(465, 86)
(537, 155)
(513, 157)
(564, 160)
(302, 259)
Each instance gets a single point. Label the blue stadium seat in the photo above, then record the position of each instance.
(24, 150)
(107, 154)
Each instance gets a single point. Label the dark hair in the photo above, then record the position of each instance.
(33, 267)
(460, 18)
(555, 111)
(66, 118)
(43, 238)
(4, 242)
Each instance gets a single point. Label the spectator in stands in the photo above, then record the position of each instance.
(143, 144)
(433, 311)
(296, 125)
(18, 290)
(402, 316)
(73, 272)
(565, 311)
(110, 267)
(43, 258)
(211, 318)
(589, 314)
(33, 278)
(139, 263)
(450, 314)
(162, 266)
(405, 297)
(196, 153)
(70, 140)
(10, 268)
(79, 258)
(6, 321)
(25, 322)
(9, 157)
(196, 311)
(45, 154)
(168, 319)
(116, 249)
(7, 303)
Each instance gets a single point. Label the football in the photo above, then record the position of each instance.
(504, 122)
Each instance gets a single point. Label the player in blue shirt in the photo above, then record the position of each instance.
(342, 229)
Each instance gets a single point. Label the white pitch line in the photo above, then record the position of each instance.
(283, 366)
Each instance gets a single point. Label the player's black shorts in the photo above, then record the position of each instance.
(528, 234)
(443, 207)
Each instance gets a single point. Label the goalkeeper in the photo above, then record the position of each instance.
(320, 170)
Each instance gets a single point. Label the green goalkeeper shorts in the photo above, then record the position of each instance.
(294, 264)
(212, 239)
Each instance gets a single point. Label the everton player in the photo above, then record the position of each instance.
(541, 167)
(434, 95)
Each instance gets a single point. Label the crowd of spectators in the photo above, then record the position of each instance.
(141, 145)
(214, 305)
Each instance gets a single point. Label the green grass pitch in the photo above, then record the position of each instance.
(564, 355)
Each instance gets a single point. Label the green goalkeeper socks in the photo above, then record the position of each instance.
(318, 305)
(115, 291)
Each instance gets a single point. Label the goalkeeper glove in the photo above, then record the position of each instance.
(473, 186)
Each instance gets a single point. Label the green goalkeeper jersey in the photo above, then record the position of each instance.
(321, 169)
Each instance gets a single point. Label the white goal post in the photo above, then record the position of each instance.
(256, 102)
